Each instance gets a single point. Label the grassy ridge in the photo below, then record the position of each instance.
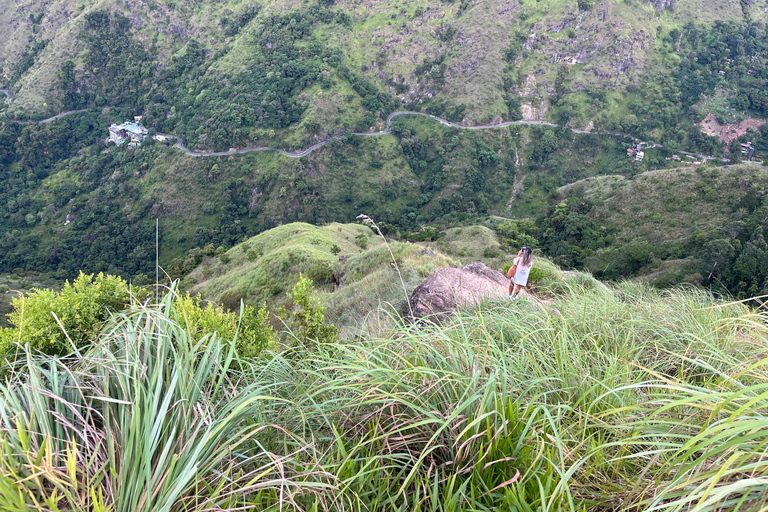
(352, 270)
(671, 205)
(600, 399)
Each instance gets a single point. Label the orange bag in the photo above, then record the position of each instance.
(512, 271)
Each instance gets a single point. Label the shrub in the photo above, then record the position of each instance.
(536, 275)
(320, 272)
(362, 241)
(82, 307)
(304, 316)
(251, 327)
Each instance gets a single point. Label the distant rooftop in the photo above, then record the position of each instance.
(134, 128)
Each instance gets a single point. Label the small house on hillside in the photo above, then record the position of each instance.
(749, 150)
(133, 133)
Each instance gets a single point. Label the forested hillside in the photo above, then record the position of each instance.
(703, 225)
(289, 75)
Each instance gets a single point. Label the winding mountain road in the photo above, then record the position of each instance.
(327, 140)
(57, 116)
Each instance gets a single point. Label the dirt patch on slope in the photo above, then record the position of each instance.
(731, 131)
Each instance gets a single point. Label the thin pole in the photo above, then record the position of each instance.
(157, 260)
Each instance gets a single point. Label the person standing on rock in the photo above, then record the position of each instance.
(518, 272)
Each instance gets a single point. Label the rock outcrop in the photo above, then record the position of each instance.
(448, 289)
(661, 5)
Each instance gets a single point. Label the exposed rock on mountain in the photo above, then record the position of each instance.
(442, 293)
(661, 5)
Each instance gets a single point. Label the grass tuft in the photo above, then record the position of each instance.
(597, 398)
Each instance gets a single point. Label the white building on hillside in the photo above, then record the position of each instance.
(134, 133)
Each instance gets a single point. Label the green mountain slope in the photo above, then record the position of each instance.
(341, 64)
(288, 75)
(700, 224)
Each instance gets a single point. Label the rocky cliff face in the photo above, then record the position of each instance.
(660, 5)
(449, 289)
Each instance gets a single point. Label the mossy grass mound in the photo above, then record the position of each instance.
(353, 271)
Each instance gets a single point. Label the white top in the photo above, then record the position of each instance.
(521, 274)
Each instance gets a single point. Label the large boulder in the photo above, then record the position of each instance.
(448, 289)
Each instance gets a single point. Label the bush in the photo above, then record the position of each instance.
(362, 241)
(82, 307)
(320, 272)
(304, 316)
(536, 275)
(513, 234)
(252, 328)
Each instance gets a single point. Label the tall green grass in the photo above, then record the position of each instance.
(620, 398)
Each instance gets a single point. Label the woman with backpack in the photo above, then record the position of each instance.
(518, 272)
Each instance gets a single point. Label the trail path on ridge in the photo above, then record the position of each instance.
(304, 152)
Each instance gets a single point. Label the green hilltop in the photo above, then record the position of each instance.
(697, 224)
(350, 266)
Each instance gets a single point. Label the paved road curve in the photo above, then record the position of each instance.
(327, 140)
(57, 116)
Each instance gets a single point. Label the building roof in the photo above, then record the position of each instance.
(134, 128)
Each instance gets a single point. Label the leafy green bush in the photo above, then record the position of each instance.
(362, 241)
(251, 328)
(82, 307)
(513, 234)
(320, 272)
(536, 275)
(304, 316)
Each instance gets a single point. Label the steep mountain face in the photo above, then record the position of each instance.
(465, 59)
(290, 75)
